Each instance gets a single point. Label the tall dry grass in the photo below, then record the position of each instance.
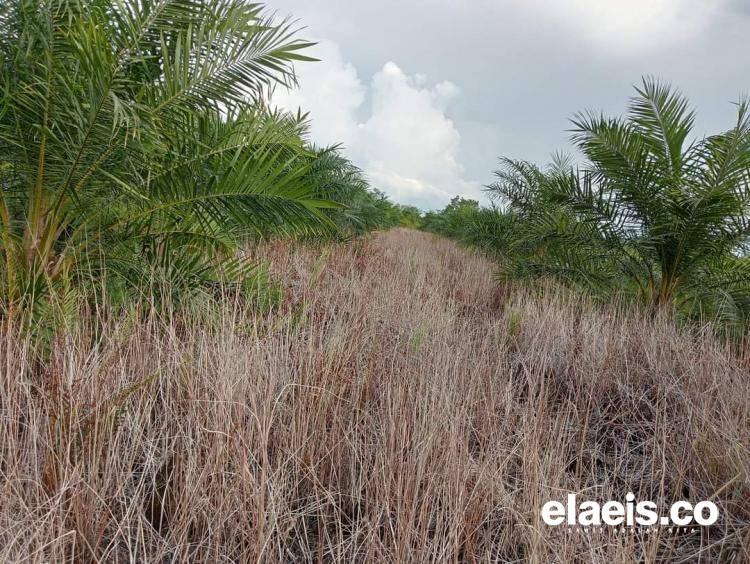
(397, 407)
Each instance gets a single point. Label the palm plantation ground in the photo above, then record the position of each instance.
(220, 343)
(395, 405)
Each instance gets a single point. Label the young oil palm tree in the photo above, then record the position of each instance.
(339, 180)
(653, 205)
(134, 133)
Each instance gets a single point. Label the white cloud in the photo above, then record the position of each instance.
(630, 26)
(331, 91)
(406, 143)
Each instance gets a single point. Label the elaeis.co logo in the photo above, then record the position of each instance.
(628, 514)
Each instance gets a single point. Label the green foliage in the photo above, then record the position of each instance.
(409, 216)
(466, 221)
(360, 209)
(452, 220)
(652, 213)
(135, 141)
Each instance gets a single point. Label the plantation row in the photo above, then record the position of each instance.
(138, 153)
(194, 368)
(653, 214)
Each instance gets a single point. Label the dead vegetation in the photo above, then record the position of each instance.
(397, 406)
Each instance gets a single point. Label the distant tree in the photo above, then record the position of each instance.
(451, 220)
(410, 216)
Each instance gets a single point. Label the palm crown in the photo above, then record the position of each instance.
(652, 205)
(134, 132)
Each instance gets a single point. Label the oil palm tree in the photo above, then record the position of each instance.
(134, 132)
(653, 206)
(339, 180)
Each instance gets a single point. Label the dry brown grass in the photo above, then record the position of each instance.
(398, 407)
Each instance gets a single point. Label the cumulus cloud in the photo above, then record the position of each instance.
(330, 91)
(630, 26)
(402, 138)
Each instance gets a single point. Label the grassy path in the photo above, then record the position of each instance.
(397, 407)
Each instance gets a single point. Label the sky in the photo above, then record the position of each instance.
(426, 95)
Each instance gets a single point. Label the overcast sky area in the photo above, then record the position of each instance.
(425, 95)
